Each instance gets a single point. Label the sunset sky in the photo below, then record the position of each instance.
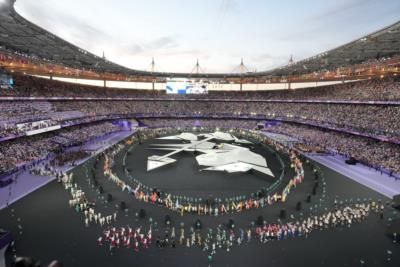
(217, 32)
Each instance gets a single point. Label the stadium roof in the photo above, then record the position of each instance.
(19, 35)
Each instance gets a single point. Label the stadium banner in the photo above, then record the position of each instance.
(43, 130)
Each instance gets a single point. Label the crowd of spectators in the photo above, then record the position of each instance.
(373, 119)
(380, 155)
(368, 118)
(380, 120)
(21, 151)
(190, 124)
(386, 89)
(68, 157)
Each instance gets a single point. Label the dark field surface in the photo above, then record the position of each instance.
(185, 177)
(46, 228)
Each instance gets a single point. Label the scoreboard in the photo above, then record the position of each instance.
(6, 81)
(185, 86)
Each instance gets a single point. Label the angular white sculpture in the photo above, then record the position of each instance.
(216, 157)
(155, 162)
(182, 136)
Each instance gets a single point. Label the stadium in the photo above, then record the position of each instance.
(107, 165)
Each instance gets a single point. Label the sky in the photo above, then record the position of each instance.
(265, 33)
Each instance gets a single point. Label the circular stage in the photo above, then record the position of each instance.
(186, 178)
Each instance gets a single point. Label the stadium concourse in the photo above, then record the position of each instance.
(100, 176)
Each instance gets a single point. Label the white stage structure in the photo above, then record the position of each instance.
(215, 157)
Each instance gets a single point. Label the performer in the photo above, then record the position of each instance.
(223, 209)
(173, 232)
(136, 246)
(100, 241)
(248, 235)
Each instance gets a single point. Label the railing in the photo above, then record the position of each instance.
(370, 133)
(203, 99)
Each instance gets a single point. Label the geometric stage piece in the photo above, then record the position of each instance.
(216, 157)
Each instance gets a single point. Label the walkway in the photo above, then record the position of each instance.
(369, 177)
(27, 183)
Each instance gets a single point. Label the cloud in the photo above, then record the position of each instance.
(165, 42)
(67, 27)
(231, 29)
(228, 5)
(157, 46)
(133, 49)
(266, 56)
(340, 8)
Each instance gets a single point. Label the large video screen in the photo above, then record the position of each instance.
(183, 87)
(6, 81)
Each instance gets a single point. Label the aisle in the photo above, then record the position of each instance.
(27, 183)
(380, 182)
